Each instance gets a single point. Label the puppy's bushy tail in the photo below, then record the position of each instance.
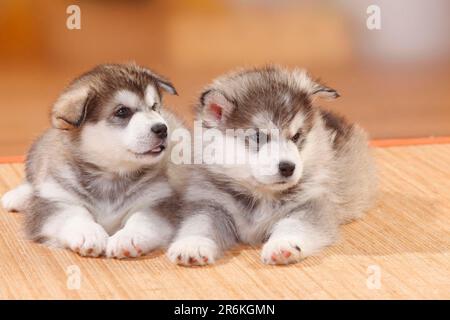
(357, 181)
(17, 199)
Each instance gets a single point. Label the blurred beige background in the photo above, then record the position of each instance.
(394, 81)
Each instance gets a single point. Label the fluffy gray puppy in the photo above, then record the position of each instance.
(96, 181)
(322, 175)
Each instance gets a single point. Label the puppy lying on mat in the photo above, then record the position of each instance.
(94, 181)
(320, 176)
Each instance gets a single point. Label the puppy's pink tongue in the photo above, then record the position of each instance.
(157, 149)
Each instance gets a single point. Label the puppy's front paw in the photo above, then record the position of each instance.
(88, 239)
(281, 251)
(127, 243)
(193, 251)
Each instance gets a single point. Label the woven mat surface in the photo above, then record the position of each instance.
(400, 249)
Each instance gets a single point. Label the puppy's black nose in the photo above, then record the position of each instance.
(286, 168)
(160, 129)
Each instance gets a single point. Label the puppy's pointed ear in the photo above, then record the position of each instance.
(69, 111)
(167, 86)
(214, 107)
(324, 92)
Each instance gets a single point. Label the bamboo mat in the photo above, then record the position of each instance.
(400, 249)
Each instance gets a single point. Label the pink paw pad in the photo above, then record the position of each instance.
(281, 257)
(192, 260)
(286, 254)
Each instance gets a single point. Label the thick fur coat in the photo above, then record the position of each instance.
(96, 180)
(322, 176)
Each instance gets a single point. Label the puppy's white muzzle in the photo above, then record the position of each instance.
(139, 137)
(267, 167)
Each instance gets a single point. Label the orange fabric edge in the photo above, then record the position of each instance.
(383, 143)
(12, 159)
(379, 143)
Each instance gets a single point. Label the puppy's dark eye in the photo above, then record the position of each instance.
(296, 137)
(155, 106)
(123, 112)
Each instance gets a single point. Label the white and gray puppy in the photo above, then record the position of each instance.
(322, 176)
(96, 179)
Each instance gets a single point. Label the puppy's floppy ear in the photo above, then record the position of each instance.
(70, 110)
(161, 82)
(313, 88)
(215, 107)
(167, 86)
(321, 91)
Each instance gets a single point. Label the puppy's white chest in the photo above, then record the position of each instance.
(112, 215)
(109, 215)
(253, 227)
